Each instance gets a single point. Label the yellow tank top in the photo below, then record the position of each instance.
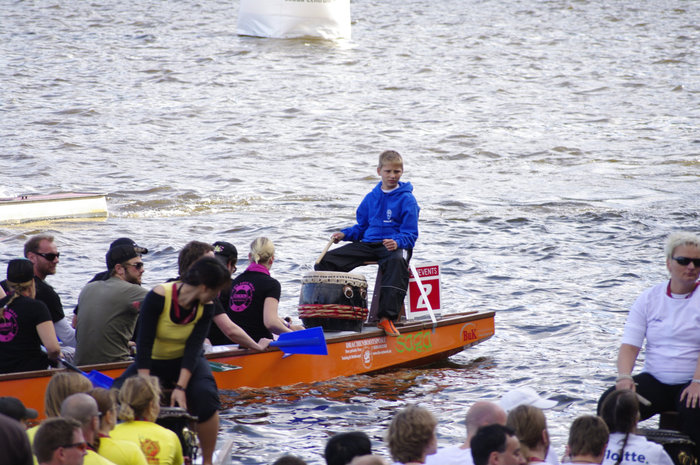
(171, 337)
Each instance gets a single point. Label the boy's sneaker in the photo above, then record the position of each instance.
(388, 327)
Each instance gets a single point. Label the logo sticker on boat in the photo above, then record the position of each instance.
(420, 342)
(366, 350)
(469, 333)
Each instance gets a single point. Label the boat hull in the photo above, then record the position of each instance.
(53, 206)
(348, 354)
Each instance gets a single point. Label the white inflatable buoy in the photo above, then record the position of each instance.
(287, 19)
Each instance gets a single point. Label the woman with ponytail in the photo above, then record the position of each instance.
(620, 411)
(255, 295)
(25, 324)
(139, 400)
(116, 450)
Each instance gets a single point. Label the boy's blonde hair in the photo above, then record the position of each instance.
(262, 250)
(390, 156)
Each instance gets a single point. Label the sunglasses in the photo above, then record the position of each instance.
(49, 256)
(138, 265)
(685, 261)
(78, 445)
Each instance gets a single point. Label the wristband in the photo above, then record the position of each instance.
(695, 381)
(623, 377)
(179, 388)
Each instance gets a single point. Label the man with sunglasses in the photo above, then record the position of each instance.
(109, 309)
(43, 253)
(60, 441)
(667, 316)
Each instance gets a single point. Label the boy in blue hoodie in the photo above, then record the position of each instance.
(386, 232)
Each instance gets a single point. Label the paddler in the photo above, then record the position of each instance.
(173, 323)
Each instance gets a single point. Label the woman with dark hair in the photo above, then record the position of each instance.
(25, 323)
(174, 321)
(620, 411)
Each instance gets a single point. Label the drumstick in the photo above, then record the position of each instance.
(643, 400)
(328, 246)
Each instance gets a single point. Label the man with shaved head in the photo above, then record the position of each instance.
(83, 408)
(481, 413)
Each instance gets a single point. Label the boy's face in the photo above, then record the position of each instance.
(390, 174)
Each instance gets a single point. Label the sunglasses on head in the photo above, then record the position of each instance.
(685, 261)
(49, 256)
(78, 445)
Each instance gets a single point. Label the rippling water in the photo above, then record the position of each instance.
(552, 146)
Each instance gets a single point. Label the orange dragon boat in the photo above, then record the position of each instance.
(349, 353)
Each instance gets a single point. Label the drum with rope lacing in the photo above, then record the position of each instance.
(333, 300)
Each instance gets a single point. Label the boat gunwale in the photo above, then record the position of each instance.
(368, 332)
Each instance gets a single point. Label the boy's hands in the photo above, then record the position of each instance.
(390, 244)
(337, 237)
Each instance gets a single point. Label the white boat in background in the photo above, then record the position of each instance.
(52, 206)
(290, 19)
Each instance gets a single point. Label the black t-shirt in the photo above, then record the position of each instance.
(46, 294)
(216, 337)
(20, 345)
(246, 303)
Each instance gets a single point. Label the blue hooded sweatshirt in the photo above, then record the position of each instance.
(387, 216)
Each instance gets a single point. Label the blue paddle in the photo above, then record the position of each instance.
(307, 341)
(96, 378)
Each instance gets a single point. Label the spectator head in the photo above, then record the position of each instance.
(60, 439)
(190, 253)
(289, 460)
(620, 411)
(588, 436)
(496, 444)
(343, 447)
(411, 435)
(62, 385)
(139, 397)
(530, 426)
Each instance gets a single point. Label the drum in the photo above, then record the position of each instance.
(677, 445)
(333, 300)
(183, 424)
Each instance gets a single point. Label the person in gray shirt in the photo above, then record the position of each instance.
(109, 309)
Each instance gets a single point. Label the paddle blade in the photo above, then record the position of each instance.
(219, 366)
(100, 380)
(307, 341)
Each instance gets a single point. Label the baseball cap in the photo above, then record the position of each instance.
(13, 407)
(225, 250)
(125, 249)
(20, 270)
(524, 395)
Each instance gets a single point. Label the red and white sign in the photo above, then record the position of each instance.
(429, 276)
